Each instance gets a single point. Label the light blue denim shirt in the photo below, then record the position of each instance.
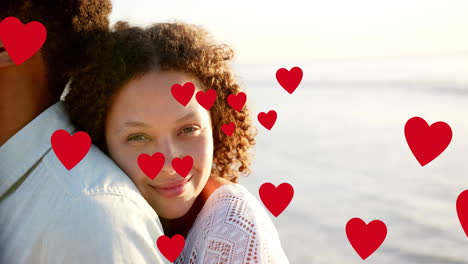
(90, 214)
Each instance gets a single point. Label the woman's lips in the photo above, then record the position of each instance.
(175, 190)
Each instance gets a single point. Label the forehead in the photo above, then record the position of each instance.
(149, 97)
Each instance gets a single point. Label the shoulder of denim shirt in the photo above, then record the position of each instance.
(95, 174)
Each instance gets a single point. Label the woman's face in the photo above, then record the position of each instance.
(145, 118)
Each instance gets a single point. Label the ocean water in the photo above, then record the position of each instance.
(339, 141)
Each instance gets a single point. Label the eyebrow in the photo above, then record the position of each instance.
(187, 116)
(143, 124)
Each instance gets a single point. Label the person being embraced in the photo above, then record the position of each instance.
(123, 99)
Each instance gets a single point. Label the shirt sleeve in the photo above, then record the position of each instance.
(264, 245)
(102, 228)
(233, 228)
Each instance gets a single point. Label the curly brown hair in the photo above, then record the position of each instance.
(132, 52)
(70, 25)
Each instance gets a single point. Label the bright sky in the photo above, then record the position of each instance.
(303, 30)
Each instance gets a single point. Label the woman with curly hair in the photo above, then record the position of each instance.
(125, 99)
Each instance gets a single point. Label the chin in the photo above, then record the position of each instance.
(175, 209)
(178, 206)
(172, 214)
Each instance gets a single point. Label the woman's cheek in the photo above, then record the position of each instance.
(128, 161)
(201, 151)
(136, 172)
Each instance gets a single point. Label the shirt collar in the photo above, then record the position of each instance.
(30, 144)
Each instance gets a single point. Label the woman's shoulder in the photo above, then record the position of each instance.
(239, 208)
(226, 192)
(233, 223)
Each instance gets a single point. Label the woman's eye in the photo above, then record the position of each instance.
(189, 129)
(136, 137)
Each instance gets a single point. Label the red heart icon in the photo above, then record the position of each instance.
(21, 41)
(237, 101)
(427, 142)
(229, 128)
(267, 120)
(70, 150)
(151, 165)
(462, 210)
(184, 93)
(171, 247)
(183, 166)
(289, 80)
(276, 199)
(365, 239)
(206, 99)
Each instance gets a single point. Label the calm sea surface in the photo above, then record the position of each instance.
(339, 140)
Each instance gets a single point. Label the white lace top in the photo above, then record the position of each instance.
(233, 227)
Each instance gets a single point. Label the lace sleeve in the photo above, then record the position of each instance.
(233, 228)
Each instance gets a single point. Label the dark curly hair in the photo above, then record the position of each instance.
(129, 52)
(70, 25)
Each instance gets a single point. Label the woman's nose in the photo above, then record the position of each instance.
(167, 168)
(169, 150)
